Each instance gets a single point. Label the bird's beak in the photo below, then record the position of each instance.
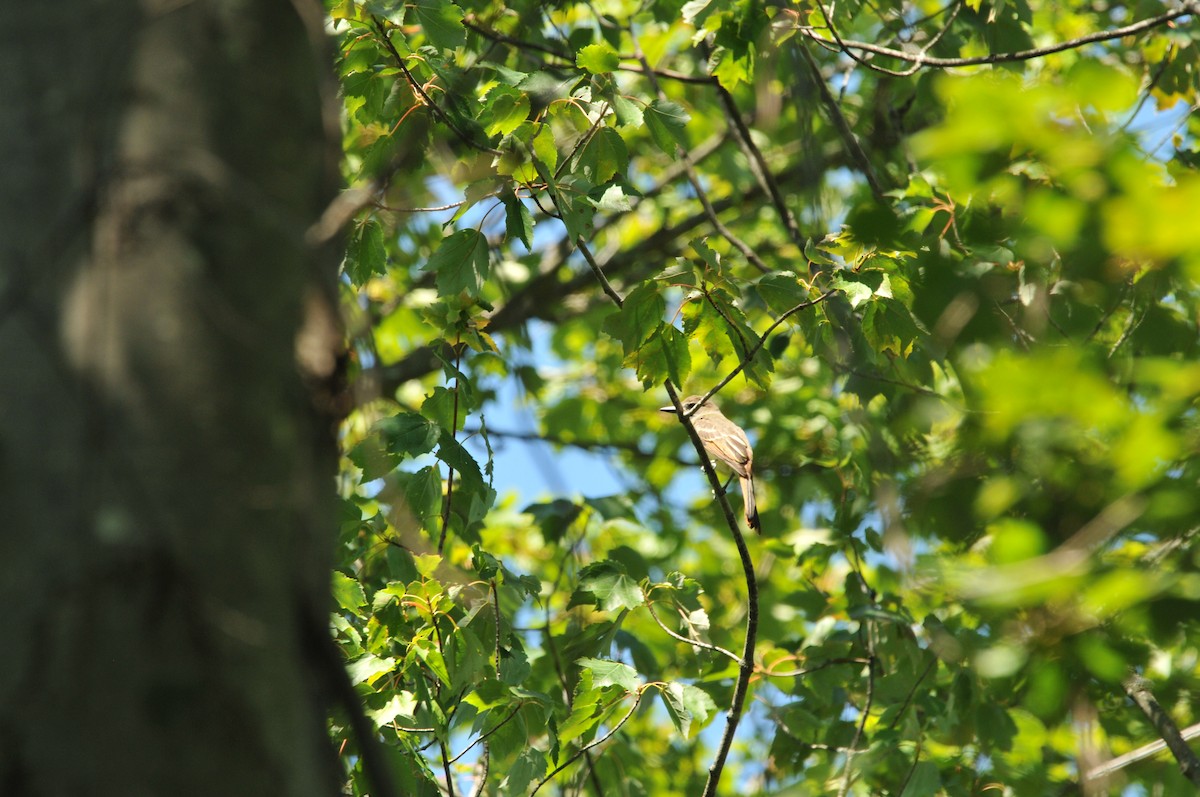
(667, 408)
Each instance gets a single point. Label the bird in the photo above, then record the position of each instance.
(725, 440)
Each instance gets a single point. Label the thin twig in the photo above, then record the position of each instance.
(694, 179)
(453, 432)
(762, 341)
(1133, 756)
(419, 90)
(688, 641)
(843, 127)
(846, 45)
(612, 732)
(860, 729)
(569, 59)
(758, 165)
(484, 736)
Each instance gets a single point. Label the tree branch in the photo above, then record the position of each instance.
(920, 59)
(686, 160)
(1138, 689)
(1133, 756)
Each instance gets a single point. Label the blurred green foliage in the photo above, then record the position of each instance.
(975, 448)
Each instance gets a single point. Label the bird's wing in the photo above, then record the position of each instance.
(727, 443)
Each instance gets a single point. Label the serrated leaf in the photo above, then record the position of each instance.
(573, 205)
(613, 200)
(402, 704)
(423, 492)
(442, 22)
(348, 593)
(518, 221)
(856, 292)
(607, 586)
(610, 673)
(704, 324)
(694, 12)
(731, 69)
(529, 766)
(366, 254)
(504, 110)
(628, 112)
(453, 454)
(585, 713)
(603, 157)
(782, 291)
(461, 263)
(369, 668)
(638, 318)
(545, 148)
(407, 434)
(889, 327)
(431, 657)
(666, 122)
(598, 58)
(664, 355)
(554, 518)
(689, 707)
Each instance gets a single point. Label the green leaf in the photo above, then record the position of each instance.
(607, 586)
(348, 593)
(598, 58)
(925, 781)
(529, 766)
(856, 292)
(782, 291)
(730, 69)
(545, 148)
(518, 221)
(442, 22)
(366, 255)
(694, 12)
(504, 110)
(665, 355)
(461, 263)
(603, 156)
(453, 454)
(666, 122)
(689, 707)
(427, 651)
(613, 201)
(628, 112)
(554, 518)
(423, 492)
(585, 710)
(400, 704)
(638, 318)
(611, 673)
(408, 434)
(889, 327)
(369, 668)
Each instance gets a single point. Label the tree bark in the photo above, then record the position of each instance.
(166, 485)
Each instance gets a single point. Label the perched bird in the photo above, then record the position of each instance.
(726, 441)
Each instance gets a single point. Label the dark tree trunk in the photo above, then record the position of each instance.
(165, 476)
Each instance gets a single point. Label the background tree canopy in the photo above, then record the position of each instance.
(943, 258)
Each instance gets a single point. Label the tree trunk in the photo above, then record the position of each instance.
(166, 481)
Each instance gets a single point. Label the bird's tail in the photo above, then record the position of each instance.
(750, 504)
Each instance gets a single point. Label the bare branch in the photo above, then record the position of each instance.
(921, 59)
(686, 160)
(612, 732)
(1133, 756)
(688, 641)
(1138, 689)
